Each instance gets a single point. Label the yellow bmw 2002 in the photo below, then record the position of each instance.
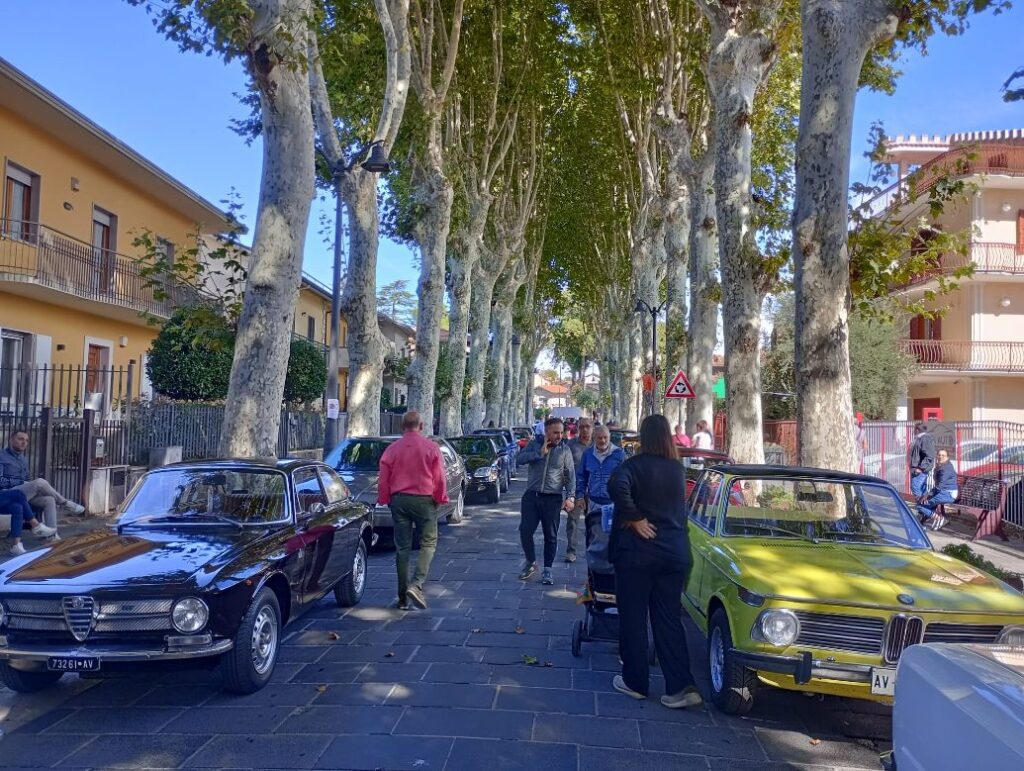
(817, 581)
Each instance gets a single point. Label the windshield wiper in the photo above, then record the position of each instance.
(181, 517)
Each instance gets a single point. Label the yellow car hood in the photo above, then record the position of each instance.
(824, 573)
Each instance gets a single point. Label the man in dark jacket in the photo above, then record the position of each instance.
(921, 459)
(15, 475)
(578, 445)
(944, 491)
(551, 474)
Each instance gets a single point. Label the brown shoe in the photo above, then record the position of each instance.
(415, 595)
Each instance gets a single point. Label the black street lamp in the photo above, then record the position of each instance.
(641, 307)
(376, 163)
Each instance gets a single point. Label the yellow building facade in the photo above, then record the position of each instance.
(72, 201)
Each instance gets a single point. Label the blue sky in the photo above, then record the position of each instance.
(105, 59)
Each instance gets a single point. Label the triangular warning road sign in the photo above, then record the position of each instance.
(679, 388)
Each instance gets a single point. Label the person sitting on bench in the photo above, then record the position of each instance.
(15, 503)
(944, 491)
(14, 475)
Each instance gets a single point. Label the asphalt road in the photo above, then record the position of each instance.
(483, 679)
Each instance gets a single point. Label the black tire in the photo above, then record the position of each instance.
(734, 688)
(237, 668)
(577, 638)
(349, 590)
(27, 682)
(503, 480)
(457, 513)
(494, 493)
(513, 467)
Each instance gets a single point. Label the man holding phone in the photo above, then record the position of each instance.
(550, 488)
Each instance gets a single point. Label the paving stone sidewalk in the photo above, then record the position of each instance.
(484, 679)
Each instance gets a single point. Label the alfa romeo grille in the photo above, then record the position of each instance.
(60, 614)
(860, 634)
(902, 632)
(79, 612)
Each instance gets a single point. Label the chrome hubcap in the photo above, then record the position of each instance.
(359, 572)
(264, 640)
(716, 651)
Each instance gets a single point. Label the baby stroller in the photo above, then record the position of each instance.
(600, 622)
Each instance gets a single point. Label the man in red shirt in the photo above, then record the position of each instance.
(412, 483)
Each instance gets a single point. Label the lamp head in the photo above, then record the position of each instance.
(378, 162)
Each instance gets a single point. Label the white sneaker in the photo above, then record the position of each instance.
(620, 685)
(53, 538)
(18, 548)
(43, 531)
(74, 508)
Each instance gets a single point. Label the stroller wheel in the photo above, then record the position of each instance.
(577, 638)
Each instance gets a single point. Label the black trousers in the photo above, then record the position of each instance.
(544, 510)
(645, 588)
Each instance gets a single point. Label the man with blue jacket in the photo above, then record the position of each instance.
(596, 466)
(944, 491)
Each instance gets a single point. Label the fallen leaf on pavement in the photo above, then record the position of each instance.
(389, 655)
(548, 664)
(520, 630)
(333, 636)
(815, 742)
(322, 688)
(529, 660)
(476, 631)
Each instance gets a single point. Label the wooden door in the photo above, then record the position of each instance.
(94, 369)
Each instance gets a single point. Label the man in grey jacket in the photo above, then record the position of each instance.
(551, 475)
(921, 459)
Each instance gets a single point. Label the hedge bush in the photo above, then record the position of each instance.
(307, 373)
(191, 357)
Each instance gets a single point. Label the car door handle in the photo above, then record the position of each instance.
(343, 522)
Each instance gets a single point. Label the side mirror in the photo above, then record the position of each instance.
(317, 509)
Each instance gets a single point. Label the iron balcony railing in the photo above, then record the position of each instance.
(966, 355)
(986, 257)
(320, 346)
(960, 161)
(34, 253)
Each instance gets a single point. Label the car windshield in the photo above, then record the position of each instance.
(472, 445)
(820, 510)
(361, 454)
(196, 494)
(499, 436)
(979, 451)
(522, 432)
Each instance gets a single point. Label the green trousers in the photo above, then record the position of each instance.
(406, 511)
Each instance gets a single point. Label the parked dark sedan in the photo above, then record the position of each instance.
(207, 561)
(507, 442)
(486, 466)
(357, 460)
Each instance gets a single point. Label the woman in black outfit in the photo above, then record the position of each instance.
(650, 548)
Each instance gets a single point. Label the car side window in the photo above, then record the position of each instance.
(334, 487)
(704, 501)
(447, 454)
(308, 489)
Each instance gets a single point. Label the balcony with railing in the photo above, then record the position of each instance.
(987, 258)
(322, 347)
(31, 253)
(966, 355)
(1003, 158)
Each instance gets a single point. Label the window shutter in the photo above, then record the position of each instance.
(1020, 231)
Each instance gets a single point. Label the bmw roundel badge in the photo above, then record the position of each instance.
(906, 599)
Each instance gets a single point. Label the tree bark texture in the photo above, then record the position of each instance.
(459, 291)
(479, 332)
(278, 66)
(836, 38)
(704, 293)
(677, 237)
(741, 57)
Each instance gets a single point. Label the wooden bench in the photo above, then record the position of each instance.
(984, 499)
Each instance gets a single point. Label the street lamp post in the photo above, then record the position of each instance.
(376, 163)
(654, 310)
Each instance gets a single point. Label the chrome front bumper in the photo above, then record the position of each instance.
(803, 668)
(203, 646)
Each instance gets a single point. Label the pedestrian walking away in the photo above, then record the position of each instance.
(575, 516)
(14, 503)
(14, 475)
(650, 549)
(412, 483)
(552, 474)
(944, 491)
(593, 472)
(702, 439)
(921, 459)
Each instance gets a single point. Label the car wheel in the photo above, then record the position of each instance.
(493, 493)
(577, 638)
(733, 686)
(349, 590)
(503, 481)
(27, 682)
(460, 505)
(513, 468)
(247, 667)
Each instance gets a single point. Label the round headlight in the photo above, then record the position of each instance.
(1012, 636)
(779, 627)
(189, 615)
